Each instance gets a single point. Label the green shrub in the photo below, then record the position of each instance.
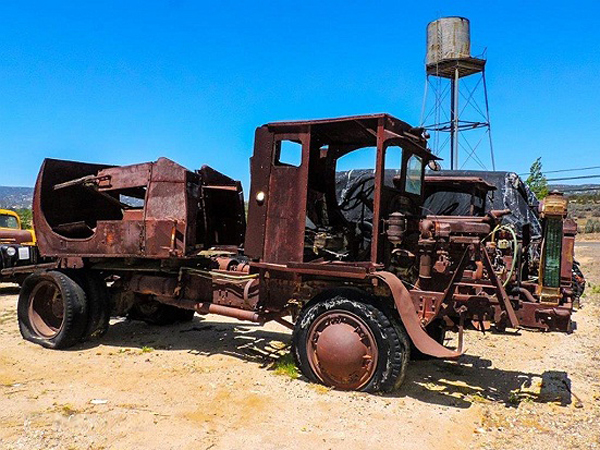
(592, 226)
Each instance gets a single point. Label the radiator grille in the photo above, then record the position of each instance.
(552, 252)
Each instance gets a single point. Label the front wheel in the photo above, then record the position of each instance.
(578, 282)
(350, 345)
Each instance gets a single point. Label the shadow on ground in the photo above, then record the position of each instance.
(456, 384)
(472, 379)
(10, 290)
(246, 341)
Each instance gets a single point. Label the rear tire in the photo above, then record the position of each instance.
(350, 345)
(155, 313)
(98, 306)
(52, 310)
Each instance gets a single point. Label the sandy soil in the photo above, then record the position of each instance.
(208, 385)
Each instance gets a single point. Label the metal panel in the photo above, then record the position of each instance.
(260, 170)
(568, 252)
(125, 177)
(286, 212)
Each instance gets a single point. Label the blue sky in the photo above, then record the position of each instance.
(129, 81)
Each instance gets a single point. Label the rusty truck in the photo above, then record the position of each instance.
(362, 276)
(17, 247)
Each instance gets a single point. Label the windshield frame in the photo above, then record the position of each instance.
(408, 151)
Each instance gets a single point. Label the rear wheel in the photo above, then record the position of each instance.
(97, 300)
(52, 310)
(98, 306)
(350, 345)
(156, 313)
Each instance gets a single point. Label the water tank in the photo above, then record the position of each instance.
(448, 38)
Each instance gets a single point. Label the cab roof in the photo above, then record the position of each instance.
(8, 212)
(358, 130)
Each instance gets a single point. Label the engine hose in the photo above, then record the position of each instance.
(515, 248)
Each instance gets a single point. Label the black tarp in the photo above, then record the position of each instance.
(512, 193)
(350, 184)
(451, 203)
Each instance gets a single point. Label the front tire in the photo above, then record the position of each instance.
(578, 282)
(52, 310)
(350, 345)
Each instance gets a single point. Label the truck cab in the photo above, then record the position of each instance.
(297, 212)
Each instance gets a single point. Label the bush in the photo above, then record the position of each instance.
(26, 219)
(592, 226)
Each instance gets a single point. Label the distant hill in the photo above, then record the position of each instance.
(15, 197)
(22, 197)
(573, 189)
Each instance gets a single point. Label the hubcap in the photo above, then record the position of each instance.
(342, 350)
(46, 309)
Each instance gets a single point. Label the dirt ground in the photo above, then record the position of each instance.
(208, 385)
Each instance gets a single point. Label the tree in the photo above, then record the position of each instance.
(536, 180)
(25, 215)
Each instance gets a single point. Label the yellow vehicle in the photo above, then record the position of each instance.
(17, 246)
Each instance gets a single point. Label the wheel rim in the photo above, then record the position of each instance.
(46, 309)
(342, 350)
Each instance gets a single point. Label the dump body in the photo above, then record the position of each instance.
(151, 210)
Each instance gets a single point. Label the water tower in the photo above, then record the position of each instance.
(458, 119)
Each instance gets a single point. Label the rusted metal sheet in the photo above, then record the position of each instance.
(568, 252)
(123, 239)
(338, 271)
(377, 244)
(258, 202)
(240, 293)
(124, 177)
(222, 210)
(27, 269)
(284, 227)
(458, 182)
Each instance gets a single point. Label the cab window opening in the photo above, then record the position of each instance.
(288, 153)
(414, 175)
(7, 221)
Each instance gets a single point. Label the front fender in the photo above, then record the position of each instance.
(406, 309)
